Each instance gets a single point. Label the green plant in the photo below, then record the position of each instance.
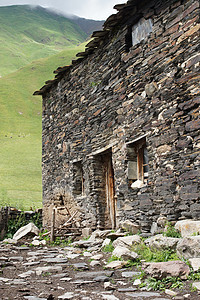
(161, 284)
(60, 242)
(195, 276)
(154, 255)
(93, 84)
(16, 223)
(46, 274)
(108, 248)
(195, 233)
(114, 258)
(171, 231)
(86, 238)
(132, 263)
(193, 288)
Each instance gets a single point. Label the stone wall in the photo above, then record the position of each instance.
(118, 95)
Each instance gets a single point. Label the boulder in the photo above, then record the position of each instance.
(127, 241)
(130, 227)
(188, 227)
(167, 269)
(116, 264)
(161, 242)
(125, 253)
(26, 231)
(115, 235)
(189, 247)
(195, 263)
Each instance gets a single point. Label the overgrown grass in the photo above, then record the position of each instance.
(154, 255)
(165, 283)
(108, 248)
(170, 231)
(16, 223)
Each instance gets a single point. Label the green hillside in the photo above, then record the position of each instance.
(20, 130)
(28, 34)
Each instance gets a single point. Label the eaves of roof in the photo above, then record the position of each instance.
(98, 37)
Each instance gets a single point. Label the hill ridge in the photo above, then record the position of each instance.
(29, 33)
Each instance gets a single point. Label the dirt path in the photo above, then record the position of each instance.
(35, 273)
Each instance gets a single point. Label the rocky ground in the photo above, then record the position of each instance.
(71, 272)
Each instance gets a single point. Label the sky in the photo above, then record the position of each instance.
(89, 9)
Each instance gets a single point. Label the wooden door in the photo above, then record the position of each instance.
(110, 190)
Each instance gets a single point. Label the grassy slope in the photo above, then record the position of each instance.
(28, 34)
(20, 130)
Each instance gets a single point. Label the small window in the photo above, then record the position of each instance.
(141, 30)
(78, 186)
(137, 156)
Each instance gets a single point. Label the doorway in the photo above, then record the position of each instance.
(105, 190)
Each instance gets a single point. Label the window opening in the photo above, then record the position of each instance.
(138, 32)
(137, 156)
(79, 187)
(141, 30)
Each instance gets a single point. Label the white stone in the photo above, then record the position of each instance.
(186, 296)
(66, 296)
(195, 263)
(26, 274)
(137, 184)
(97, 257)
(125, 253)
(108, 286)
(137, 282)
(106, 242)
(117, 264)
(5, 279)
(51, 269)
(35, 243)
(188, 227)
(65, 279)
(127, 241)
(10, 241)
(43, 242)
(130, 226)
(196, 285)
(170, 293)
(95, 263)
(87, 254)
(109, 297)
(189, 247)
(161, 242)
(25, 230)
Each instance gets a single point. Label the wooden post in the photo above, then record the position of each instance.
(52, 236)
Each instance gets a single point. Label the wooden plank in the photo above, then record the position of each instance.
(52, 236)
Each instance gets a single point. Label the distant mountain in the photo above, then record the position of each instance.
(88, 26)
(29, 33)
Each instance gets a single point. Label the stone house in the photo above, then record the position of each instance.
(121, 125)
